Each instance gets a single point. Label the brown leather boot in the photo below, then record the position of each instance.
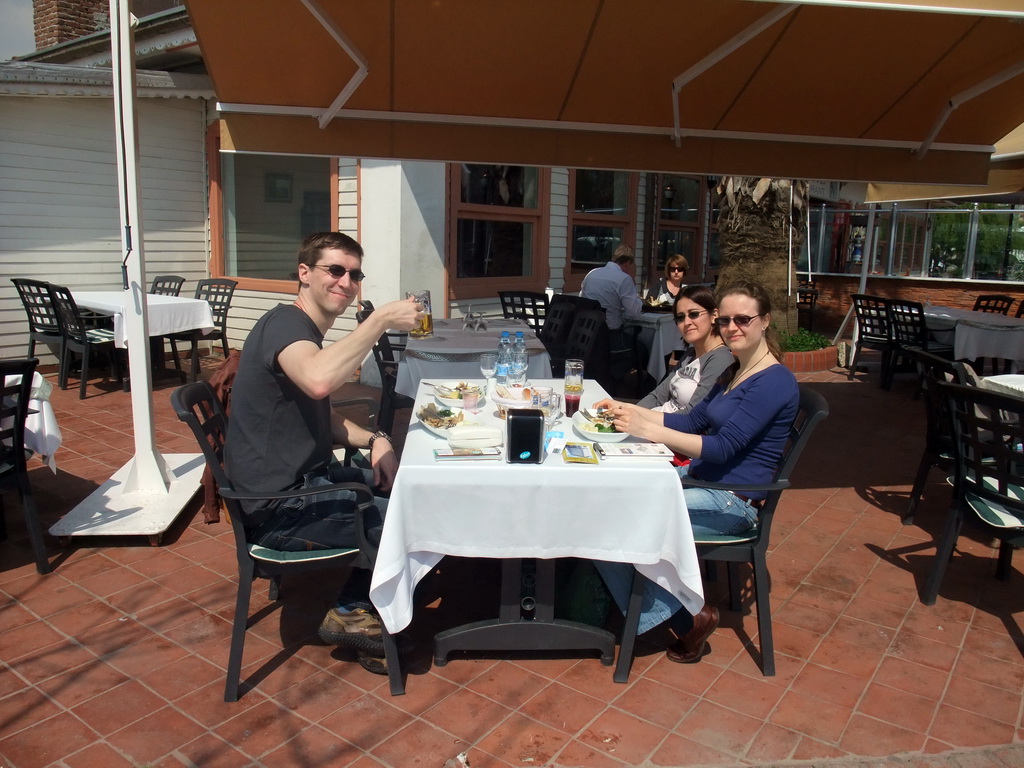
(690, 647)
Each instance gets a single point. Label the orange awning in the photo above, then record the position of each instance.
(702, 86)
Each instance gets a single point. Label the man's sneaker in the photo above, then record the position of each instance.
(356, 630)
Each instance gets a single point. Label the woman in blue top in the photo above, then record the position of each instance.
(736, 435)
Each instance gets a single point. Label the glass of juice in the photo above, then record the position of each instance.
(573, 385)
(425, 327)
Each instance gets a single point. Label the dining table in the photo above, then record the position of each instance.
(630, 511)
(1006, 383)
(452, 353)
(977, 335)
(42, 434)
(167, 314)
(659, 333)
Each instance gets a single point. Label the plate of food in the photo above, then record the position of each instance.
(597, 427)
(439, 419)
(450, 392)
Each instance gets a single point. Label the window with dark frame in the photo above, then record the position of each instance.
(603, 216)
(495, 219)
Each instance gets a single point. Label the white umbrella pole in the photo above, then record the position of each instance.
(148, 471)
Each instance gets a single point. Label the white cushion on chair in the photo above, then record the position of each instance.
(278, 556)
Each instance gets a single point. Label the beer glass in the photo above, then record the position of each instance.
(425, 327)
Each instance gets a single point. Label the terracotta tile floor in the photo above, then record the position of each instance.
(117, 658)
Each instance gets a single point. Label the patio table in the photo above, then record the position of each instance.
(453, 354)
(978, 334)
(1007, 384)
(167, 314)
(615, 511)
(659, 333)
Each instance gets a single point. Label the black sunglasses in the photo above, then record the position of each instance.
(742, 321)
(338, 271)
(676, 269)
(693, 314)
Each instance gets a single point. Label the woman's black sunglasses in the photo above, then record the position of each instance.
(338, 271)
(693, 314)
(742, 321)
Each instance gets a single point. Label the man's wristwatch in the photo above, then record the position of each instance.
(380, 433)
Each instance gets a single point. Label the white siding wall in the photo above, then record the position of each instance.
(59, 216)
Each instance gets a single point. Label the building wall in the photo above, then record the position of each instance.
(59, 210)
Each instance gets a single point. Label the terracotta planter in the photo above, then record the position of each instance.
(809, 362)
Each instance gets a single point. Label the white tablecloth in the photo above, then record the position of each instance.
(167, 314)
(978, 334)
(660, 333)
(42, 435)
(617, 511)
(1007, 384)
(453, 354)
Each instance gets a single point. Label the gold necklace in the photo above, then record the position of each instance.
(744, 374)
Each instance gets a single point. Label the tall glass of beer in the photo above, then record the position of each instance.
(425, 327)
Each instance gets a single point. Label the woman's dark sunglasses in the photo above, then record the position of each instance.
(693, 314)
(338, 271)
(676, 269)
(742, 321)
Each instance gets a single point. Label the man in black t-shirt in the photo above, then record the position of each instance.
(283, 431)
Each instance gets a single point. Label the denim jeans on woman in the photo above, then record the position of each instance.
(711, 512)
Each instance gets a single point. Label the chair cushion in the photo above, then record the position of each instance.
(98, 335)
(995, 514)
(277, 556)
(726, 538)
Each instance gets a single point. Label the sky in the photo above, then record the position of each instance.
(16, 36)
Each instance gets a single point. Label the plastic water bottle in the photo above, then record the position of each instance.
(504, 359)
(519, 345)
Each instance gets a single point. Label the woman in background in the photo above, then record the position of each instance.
(669, 286)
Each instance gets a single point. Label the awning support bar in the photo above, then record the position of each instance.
(342, 39)
(965, 96)
(702, 66)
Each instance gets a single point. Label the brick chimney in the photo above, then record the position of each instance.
(58, 21)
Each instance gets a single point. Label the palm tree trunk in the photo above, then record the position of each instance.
(759, 221)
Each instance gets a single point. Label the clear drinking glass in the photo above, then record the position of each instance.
(573, 385)
(488, 366)
(517, 370)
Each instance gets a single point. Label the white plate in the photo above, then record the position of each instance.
(467, 419)
(448, 386)
(580, 424)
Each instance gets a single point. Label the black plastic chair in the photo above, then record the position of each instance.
(217, 292)
(557, 324)
(14, 397)
(807, 301)
(387, 353)
(588, 341)
(198, 407)
(938, 441)
(908, 331)
(987, 429)
(167, 285)
(872, 331)
(529, 306)
(749, 547)
(995, 303)
(43, 325)
(78, 337)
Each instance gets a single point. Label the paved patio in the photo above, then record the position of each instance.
(117, 658)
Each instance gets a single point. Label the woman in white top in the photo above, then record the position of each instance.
(704, 360)
(668, 287)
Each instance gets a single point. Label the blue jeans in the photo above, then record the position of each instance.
(711, 511)
(324, 521)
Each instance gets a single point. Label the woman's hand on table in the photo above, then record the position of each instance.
(631, 418)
